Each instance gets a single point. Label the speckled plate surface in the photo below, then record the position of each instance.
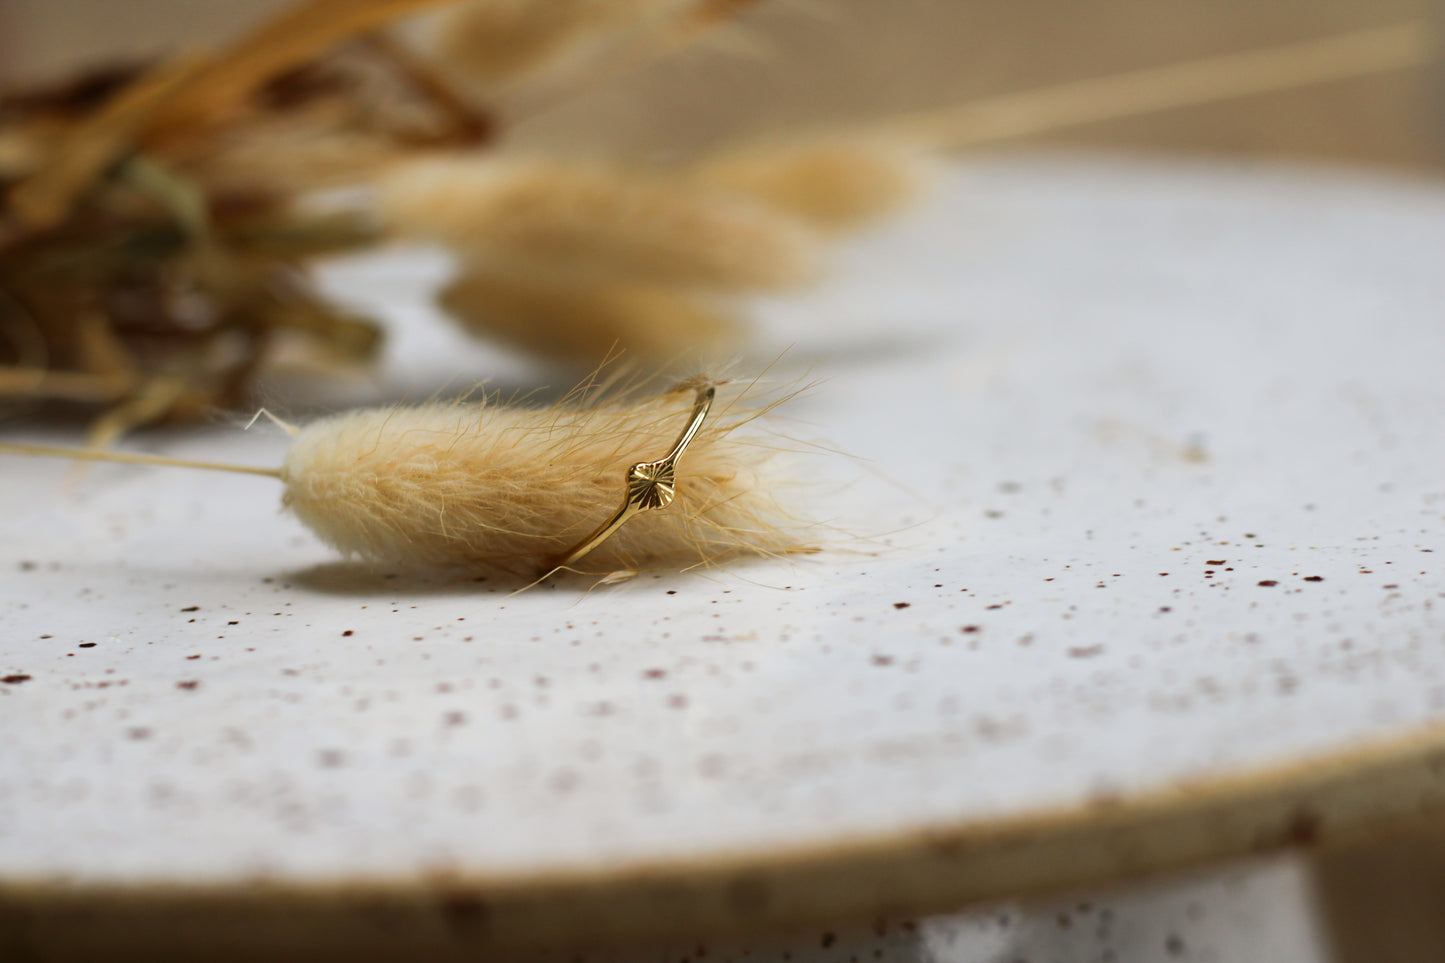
(1142, 568)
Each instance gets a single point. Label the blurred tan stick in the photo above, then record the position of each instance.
(33, 383)
(471, 125)
(1010, 116)
(297, 34)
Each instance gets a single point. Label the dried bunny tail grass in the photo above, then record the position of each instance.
(496, 489)
(589, 222)
(492, 42)
(289, 153)
(833, 183)
(583, 325)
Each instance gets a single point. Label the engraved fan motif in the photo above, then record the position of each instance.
(652, 484)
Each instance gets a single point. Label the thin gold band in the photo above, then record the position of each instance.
(651, 485)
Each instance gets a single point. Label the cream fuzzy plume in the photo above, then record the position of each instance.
(498, 489)
(832, 183)
(493, 42)
(583, 325)
(585, 221)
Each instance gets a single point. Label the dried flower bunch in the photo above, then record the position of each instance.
(156, 219)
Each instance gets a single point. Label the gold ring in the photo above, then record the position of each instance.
(651, 485)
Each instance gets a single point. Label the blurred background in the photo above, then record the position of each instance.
(821, 60)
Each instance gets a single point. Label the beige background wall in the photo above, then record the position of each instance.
(795, 60)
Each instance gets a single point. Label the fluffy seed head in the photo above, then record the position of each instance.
(498, 489)
(832, 183)
(587, 222)
(582, 325)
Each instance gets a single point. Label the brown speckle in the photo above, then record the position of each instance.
(347, 634)
(1269, 583)
(191, 608)
(86, 645)
(1314, 578)
(1085, 651)
(189, 685)
(15, 679)
(883, 660)
(655, 674)
(901, 605)
(1217, 562)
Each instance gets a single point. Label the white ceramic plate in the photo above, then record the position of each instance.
(1146, 498)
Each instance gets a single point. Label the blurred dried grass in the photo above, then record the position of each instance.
(795, 60)
(154, 232)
